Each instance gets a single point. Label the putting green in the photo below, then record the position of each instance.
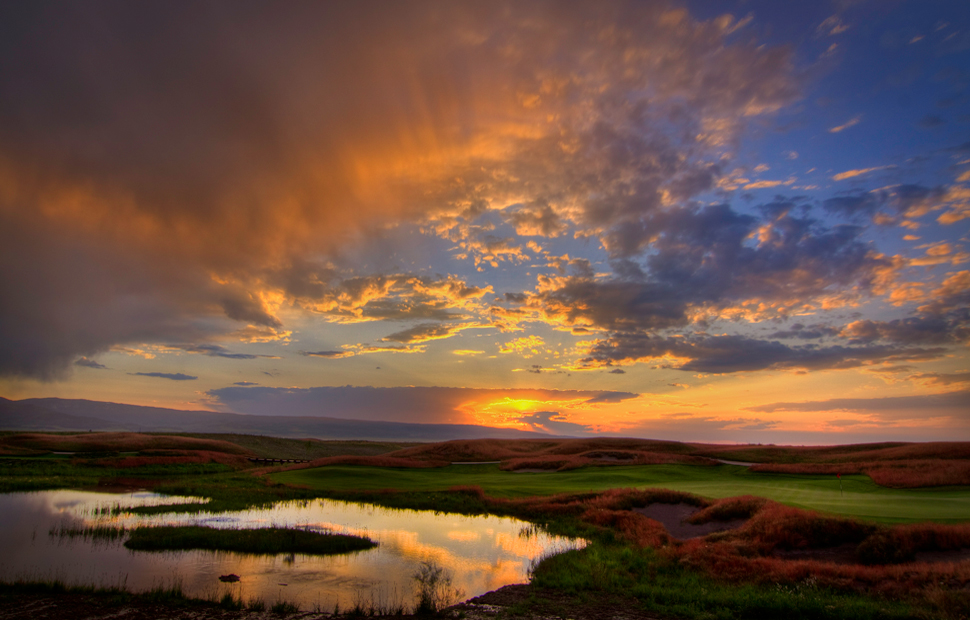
(860, 497)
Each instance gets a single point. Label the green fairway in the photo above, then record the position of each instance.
(861, 497)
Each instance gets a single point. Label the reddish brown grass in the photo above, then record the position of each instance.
(598, 458)
(506, 449)
(370, 461)
(548, 462)
(889, 473)
(375, 461)
(784, 527)
(852, 453)
(899, 465)
(733, 561)
(626, 499)
(634, 527)
(931, 536)
(182, 458)
(929, 473)
(745, 555)
(729, 509)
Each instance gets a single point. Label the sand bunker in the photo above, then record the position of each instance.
(672, 517)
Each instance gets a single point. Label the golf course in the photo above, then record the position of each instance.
(859, 497)
(660, 529)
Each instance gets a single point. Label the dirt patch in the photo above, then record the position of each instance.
(673, 517)
(546, 604)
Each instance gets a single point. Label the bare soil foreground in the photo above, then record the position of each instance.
(519, 601)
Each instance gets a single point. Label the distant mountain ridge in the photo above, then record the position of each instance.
(57, 414)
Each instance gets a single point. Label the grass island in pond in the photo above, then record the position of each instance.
(257, 541)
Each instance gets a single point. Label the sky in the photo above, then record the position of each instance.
(730, 221)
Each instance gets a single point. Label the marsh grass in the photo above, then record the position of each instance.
(284, 608)
(436, 589)
(97, 533)
(170, 595)
(231, 603)
(258, 541)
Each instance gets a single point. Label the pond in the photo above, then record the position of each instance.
(480, 553)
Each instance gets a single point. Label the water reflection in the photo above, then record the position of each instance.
(482, 553)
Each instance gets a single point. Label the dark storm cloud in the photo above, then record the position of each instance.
(611, 397)
(805, 332)
(944, 320)
(85, 362)
(423, 333)
(395, 297)
(164, 164)
(165, 375)
(213, 350)
(714, 257)
(62, 295)
(401, 404)
(950, 404)
(243, 306)
(942, 378)
(909, 200)
(538, 219)
(704, 428)
(912, 330)
(326, 354)
(554, 423)
(728, 354)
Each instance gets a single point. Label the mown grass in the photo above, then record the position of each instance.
(859, 496)
(257, 541)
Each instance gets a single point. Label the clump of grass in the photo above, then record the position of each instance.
(88, 532)
(435, 588)
(167, 595)
(283, 608)
(230, 603)
(785, 527)
(256, 604)
(259, 541)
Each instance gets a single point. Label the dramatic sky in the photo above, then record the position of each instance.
(718, 221)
